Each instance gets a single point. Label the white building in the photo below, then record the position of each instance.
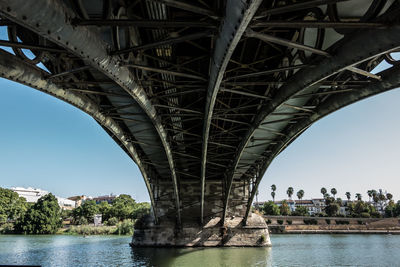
(32, 195)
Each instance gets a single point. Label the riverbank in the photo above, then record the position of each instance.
(332, 225)
(122, 228)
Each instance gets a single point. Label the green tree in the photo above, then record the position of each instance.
(332, 207)
(290, 192)
(323, 191)
(12, 206)
(284, 208)
(273, 188)
(43, 217)
(87, 211)
(333, 192)
(369, 192)
(270, 208)
(141, 209)
(348, 195)
(389, 196)
(104, 208)
(123, 207)
(358, 197)
(300, 194)
(300, 211)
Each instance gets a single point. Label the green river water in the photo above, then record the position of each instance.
(287, 250)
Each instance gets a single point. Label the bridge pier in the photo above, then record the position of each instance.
(212, 234)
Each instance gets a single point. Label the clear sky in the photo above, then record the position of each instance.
(48, 144)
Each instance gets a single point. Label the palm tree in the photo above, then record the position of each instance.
(289, 192)
(300, 194)
(358, 196)
(273, 188)
(389, 196)
(323, 191)
(369, 192)
(348, 195)
(333, 192)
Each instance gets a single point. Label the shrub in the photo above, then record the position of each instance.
(112, 221)
(342, 222)
(80, 221)
(328, 221)
(375, 214)
(125, 227)
(360, 222)
(310, 221)
(269, 221)
(7, 228)
(365, 215)
(280, 221)
(289, 222)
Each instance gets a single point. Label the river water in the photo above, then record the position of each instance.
(287, 250)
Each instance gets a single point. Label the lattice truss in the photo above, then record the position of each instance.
(202, 90)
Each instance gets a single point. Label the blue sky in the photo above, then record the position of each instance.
(46, 143)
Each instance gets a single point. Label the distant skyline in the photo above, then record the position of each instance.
(48, 144)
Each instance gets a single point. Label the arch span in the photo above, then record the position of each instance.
(17, 70)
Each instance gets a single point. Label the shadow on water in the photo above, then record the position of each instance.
(201, 256)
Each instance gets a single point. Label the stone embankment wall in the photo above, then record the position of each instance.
(255, 233)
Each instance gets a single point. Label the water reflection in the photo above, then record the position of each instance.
(202, 256)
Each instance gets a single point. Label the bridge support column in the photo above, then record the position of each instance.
(233, 234)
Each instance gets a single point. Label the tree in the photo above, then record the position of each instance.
(104, 208)
(333, 192)
(43, 217)
(270, 208)
(358, 196)
(290, 192)
(369, 192)
(87, 211)
(123, 207)
(284, 208)
(348, 196)
(323, 191)
(140, 210)
(273, 188)
(389, 196)
(273, 196)
(300, 211)
(300, 194)
(332, 207)
(12, 206)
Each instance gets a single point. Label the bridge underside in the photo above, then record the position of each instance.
(202, 95)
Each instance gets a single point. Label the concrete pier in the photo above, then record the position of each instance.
(232, 234)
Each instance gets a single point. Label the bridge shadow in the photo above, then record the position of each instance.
(200, 256)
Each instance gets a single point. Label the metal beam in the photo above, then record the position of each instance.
(390, 80)
(143, 23)
(276, 40)
(51, 19)
(173, 73)
(349, 53)
(238, 15)
(31, 47)
(188, 7)
(17, 70)
(244, 93)
(297, 7)
(169, 41)
(320, 24)
(264, 72)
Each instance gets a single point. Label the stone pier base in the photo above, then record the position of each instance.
(233, 234)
